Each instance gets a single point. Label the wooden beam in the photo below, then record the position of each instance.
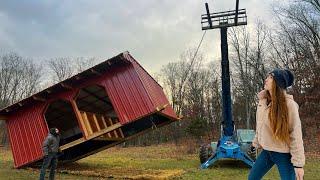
(94, 135)
(115, 133)
(161, 108)
(99, 119)
(108, 129)
(87, 123)
(2, 117)
(66, 86)
(109, 139)
(91, 121)
(39, 99)
(96, 121)
(104, 122)
(79, 117)
(72, 143)
(105, 125)
(95, 72)
(77, 77)
(110, 121)
(121, 133)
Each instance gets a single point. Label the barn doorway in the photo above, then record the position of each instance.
(97, 110)
(60, 114)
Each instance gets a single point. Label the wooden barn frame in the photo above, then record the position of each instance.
(98, 108)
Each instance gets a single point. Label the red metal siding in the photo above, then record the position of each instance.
(129, 98)
(153, 89)
(27, 131)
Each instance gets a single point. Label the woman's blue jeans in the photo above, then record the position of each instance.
(267, 159)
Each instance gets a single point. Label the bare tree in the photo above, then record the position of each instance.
(297, 45)
(314, 3)
(82, 63)
(175, 77)
(203, 101)
(62, 68)
(240, 43)
(19, 78)
(249, 56)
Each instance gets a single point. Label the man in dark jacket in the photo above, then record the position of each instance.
(50, 149)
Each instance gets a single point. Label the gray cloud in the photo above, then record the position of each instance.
(155, 32)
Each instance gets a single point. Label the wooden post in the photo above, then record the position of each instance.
(104, 122)
(87, 123)
(105, 126)
(115, 131)
(79, 118)
(96, 121)
(109, 122)
(3, 117)
(121, 133)
(99, 119)
(108, 129)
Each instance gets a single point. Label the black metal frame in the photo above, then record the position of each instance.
(223, 20)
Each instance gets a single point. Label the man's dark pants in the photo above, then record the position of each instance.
(50, 160)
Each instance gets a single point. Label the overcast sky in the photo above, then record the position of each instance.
(155, 32)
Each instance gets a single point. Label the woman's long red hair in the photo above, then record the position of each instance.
(278, 114)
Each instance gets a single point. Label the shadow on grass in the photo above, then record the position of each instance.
(229, 163)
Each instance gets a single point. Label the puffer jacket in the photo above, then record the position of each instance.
(51, 144)
(264, 137)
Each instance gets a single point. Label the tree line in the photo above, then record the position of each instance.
(193, 85)
(21, 77)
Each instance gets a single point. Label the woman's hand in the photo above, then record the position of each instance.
(262, 94)
(299, 173)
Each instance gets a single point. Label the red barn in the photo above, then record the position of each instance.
(96, 109)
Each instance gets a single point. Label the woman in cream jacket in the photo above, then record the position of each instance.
(278, 130)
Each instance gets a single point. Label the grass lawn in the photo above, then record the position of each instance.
(151, 162)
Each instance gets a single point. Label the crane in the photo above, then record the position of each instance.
(232, 144)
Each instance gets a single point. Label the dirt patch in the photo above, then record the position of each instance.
(124, 173)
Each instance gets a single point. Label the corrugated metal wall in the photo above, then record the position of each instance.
(153, 89)
(26, 131)
(128, 96)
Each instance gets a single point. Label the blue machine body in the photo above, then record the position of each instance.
(227, 147)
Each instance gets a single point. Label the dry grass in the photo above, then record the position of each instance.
(151, 162)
